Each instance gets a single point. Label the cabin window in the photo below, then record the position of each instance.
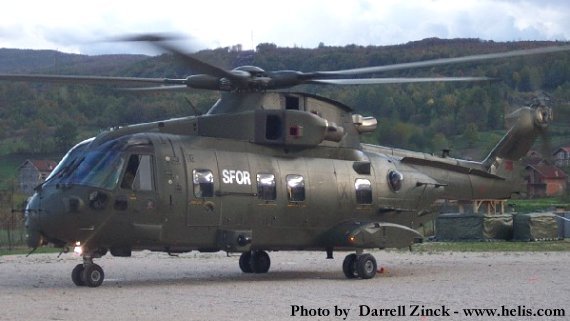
(295, 188)
(266, 189)
(203, 181)
(138, 175)
(395, 179)
(363, 191)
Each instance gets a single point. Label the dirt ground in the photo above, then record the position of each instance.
(154, 286)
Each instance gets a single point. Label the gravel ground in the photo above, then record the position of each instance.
(154, 286)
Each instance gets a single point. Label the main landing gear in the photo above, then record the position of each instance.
(256, 261)
(87, 274)
(359, 266)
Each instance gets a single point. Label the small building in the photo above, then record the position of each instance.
(545, 180)
(562, 156)
(34, 172)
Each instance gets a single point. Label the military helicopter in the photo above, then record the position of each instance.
(263, 170)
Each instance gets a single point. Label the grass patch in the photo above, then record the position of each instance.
(499, 246)
(8, 169)
(539, 204)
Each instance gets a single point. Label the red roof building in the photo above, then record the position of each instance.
(34, 172)
(545, 180)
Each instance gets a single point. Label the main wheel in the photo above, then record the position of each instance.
(76, 275)
(93, 275)
(260, 262)
(244, 265)
(366, 266)
(349, 266)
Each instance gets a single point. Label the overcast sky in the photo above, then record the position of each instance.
(76, 25)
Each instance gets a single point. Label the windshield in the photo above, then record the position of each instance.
(97, 166)
(67, 161)
(100, 167)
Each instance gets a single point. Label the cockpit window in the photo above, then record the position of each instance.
(99, 168)
(102, 166)
(138, 174)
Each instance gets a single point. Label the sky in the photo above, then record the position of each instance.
(79, 26)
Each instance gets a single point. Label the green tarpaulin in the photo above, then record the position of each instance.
(535, 226)
(518, 227)
(462, 227)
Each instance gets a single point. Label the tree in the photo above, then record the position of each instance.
(37, 137)
(471, 134)
(65, 135)
(439, 142)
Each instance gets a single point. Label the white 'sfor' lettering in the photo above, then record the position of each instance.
(240, 177)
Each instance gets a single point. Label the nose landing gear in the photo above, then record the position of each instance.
(87, 274)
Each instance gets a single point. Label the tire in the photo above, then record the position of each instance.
(260, 262)
(366, 266)
(93, 275)
(244, 262)
(349, 266)
(76, 275)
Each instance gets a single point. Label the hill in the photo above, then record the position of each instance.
(51, 61)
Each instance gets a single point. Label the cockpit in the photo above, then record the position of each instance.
(106, 165)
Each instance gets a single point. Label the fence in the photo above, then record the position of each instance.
(12, 231)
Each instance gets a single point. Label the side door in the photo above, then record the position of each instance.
(139, 197)
(356, 192)
(292, 223)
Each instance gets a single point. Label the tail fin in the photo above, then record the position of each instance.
(529, 124)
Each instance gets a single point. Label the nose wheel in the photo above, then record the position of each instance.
(87, 274)
(359, 266)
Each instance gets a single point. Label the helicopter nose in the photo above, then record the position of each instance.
(46, 219)
(34, 237)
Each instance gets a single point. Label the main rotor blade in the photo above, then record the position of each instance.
(155, 88)
(197, 66)
(89, 79)
(372, 81)
(444, 61)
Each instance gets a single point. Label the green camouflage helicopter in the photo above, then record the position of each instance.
(263, 170)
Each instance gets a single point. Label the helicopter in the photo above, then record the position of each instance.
(263, 170)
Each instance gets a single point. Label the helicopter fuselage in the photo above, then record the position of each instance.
(173, 193)
(178, 194)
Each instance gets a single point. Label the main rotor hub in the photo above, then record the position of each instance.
(254, 71)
